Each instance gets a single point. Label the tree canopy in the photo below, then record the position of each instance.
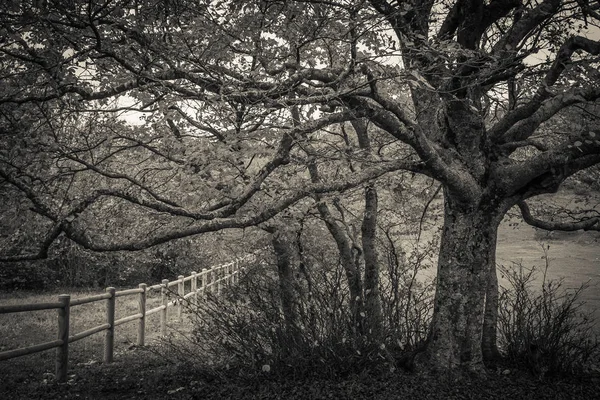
(197, 116)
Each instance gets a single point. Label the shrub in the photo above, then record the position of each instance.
(547, 329)
(245, 328)
(26, 275)
(407, 293)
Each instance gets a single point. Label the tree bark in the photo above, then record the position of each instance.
(282, 244)
(348, 261)
(489, 345)
(466, 253)
(372, 308)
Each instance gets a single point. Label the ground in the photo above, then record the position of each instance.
(143, 375)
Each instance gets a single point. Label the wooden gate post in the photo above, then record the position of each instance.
(164, 315)
(141, 334)
(180, 293)
(194, 287)
(109, 337)
(62, 352)
(225, 275)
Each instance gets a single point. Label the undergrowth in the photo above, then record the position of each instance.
(243, 331)
(545, 327)
(244, 328)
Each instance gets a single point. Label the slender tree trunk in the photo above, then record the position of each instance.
(372, 308)
(343, 243)
(467, 245)
(489, 345)
(347, 258)
(282, 244)
(307, 295)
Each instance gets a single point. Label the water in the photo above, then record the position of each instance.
(573, 257)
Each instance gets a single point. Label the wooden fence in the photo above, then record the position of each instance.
(209, 280)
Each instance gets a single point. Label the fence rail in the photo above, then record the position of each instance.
(199, 283)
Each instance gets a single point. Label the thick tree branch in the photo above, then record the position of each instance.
(451, 22)
(81, 237)
(589, 224)
(563, 57)
(441, 163)
(390, 13)
(523, 129)
(204, 128)
(545, 172)
(529, 21)
(498, 132)
(483, 18)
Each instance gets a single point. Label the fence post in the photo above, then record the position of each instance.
(194, 287)
(219, 272)
(208, 280)
(62, 352)
(109, 337)
(203, 280)
(226, 275)
(141, 334)
(164, 315)
(181, 293)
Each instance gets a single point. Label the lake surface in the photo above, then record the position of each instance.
(573, 257)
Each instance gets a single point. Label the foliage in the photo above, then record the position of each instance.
(125, 122)
(72, 266)
(26, 275)
(244, 329)
(545, 328)
(407, 291)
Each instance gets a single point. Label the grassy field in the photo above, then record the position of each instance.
(25, 329)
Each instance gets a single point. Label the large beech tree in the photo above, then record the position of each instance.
(193, 113)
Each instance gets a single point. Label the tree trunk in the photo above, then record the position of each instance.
(489, 345)
(347, 258)
(342, 239)
(282, 244)
(372, 309)
(467, 245)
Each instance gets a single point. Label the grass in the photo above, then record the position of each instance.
(19, 330)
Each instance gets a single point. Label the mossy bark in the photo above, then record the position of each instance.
(466, 253)
(372, 307)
